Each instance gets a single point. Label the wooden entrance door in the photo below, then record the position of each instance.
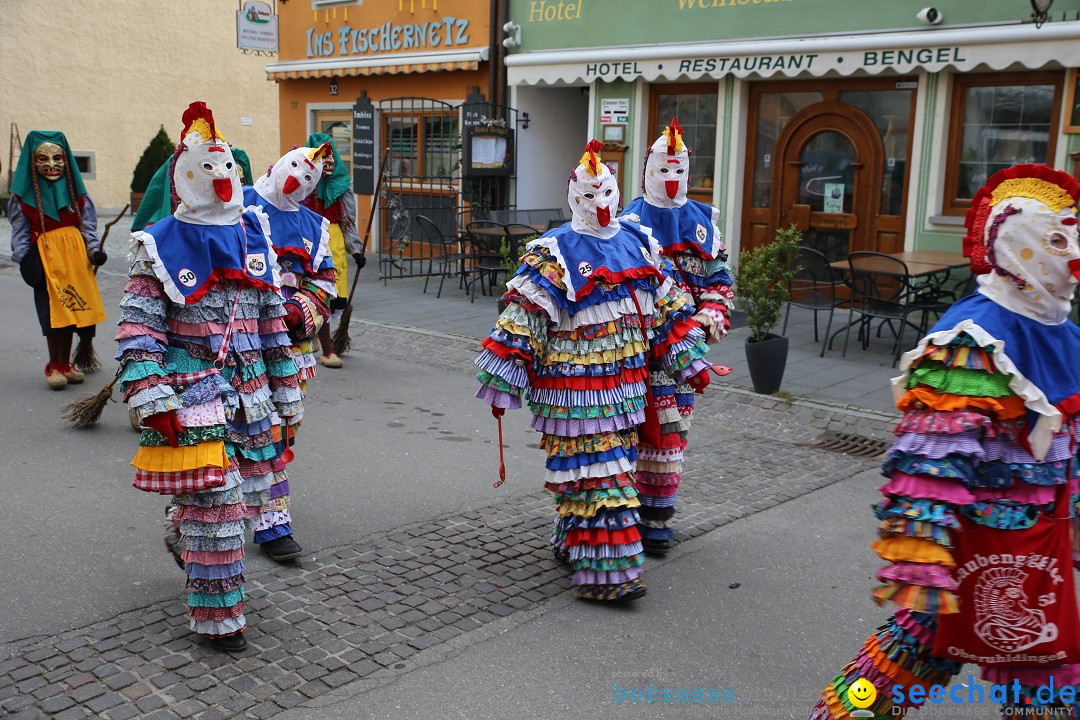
(826, 180)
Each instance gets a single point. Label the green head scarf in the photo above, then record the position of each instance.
(54, 193)
(335, 185)
(241, 157)
(157, 200)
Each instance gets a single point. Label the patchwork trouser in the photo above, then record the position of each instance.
(660, 456)
(212, 547)
(591, 477)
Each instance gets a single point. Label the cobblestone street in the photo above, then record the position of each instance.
(368, 612)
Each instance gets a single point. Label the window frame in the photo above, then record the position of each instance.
(952, 205)
(90, 156)
(420, 174)
(698, 192)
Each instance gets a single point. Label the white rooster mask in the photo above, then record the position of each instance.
(593, 195)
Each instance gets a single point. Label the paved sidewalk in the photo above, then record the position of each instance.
(859, 379)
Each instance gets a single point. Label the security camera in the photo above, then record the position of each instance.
(930, 15)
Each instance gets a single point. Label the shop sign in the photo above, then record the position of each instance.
(475, 110)
(363, 149)
(614, 110)
(256, 27)
(903, 60)
(444, 32)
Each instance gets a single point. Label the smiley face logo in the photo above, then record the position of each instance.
(862, 693)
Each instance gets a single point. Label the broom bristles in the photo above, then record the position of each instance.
(341, 340)
(85, 358)
(84, 413)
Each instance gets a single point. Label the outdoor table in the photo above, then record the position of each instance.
(925, 267)
(921, 264)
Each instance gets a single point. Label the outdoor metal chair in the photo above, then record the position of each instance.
(445, 251)
(880, 290)
(485, 254)
(813, 288)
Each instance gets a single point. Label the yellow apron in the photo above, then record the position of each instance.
(74, 298)
(341, 260)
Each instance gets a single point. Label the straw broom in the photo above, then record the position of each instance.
(341, 340)
(85, 358)
(86, 412)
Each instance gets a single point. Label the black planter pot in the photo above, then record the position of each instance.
(767, 360)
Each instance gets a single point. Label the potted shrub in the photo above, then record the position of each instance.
(154, 156)
(762, 289)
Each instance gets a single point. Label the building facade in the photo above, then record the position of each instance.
(869, 125)
(110, 74)
(407, 68)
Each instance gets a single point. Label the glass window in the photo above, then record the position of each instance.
(403, 133)
(440, 139)
(998, 122)
(774, 110)
(696, 112)
(891, 112)
(826, 178)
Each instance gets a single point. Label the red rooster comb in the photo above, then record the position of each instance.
(1056, 189)
(591, 158)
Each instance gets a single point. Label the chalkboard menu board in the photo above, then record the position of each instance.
(363, 148)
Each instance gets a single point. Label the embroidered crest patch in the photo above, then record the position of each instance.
(256, 263)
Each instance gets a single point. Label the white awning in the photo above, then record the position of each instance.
(933, 50)
(390, 64)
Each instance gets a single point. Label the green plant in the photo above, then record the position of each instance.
(762, 280)
(510, 261)
(154, 156)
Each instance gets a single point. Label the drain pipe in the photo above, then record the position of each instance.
(494, 46)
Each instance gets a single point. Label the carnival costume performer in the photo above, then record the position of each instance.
(688, 234)
(206, 364)
(584, 313)
(334, 200)
(990, 398)
(301, 241)
(158, 202)
(54, 240)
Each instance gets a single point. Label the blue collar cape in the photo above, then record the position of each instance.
(689, 227)
(586, 259)
(190, 259)
(1047, 355)
(290, 229)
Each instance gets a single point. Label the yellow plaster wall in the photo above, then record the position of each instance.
(109, 73)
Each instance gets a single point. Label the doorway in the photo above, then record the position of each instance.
(825, 179)
(812, 131)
